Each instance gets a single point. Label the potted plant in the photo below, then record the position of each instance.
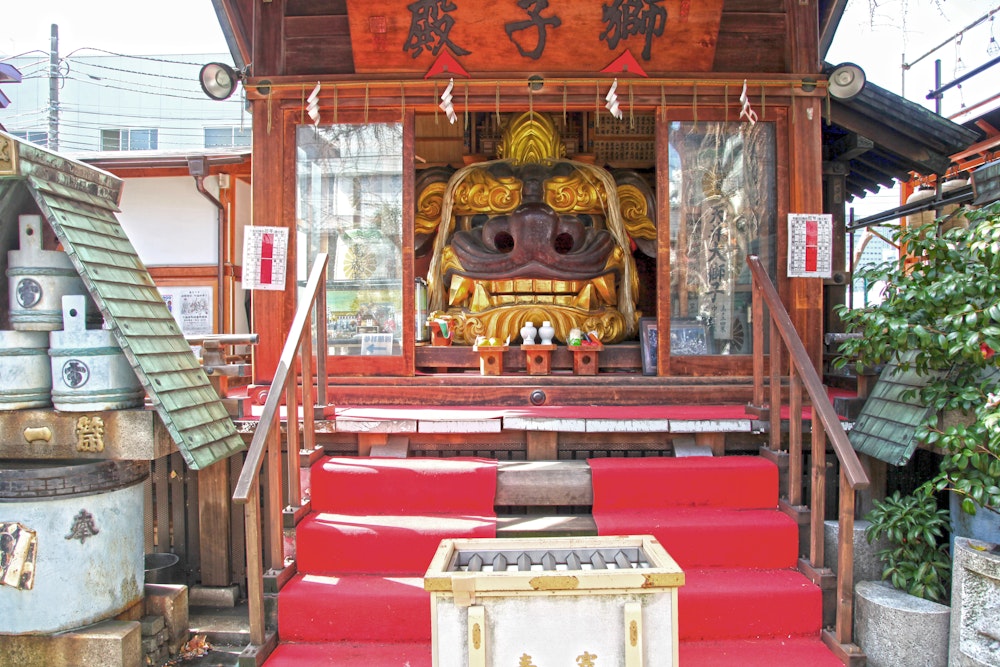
(940, 315)
(917, 564)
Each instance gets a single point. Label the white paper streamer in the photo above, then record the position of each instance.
(446, 106)
(612, 98)
(312, 104)
(746, 111)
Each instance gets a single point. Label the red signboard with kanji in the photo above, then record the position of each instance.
(544, 35)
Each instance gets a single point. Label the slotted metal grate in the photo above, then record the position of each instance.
(549, 560)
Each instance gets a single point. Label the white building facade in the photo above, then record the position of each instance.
(95, 101)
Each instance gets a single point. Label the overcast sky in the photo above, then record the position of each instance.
(878, 39)
(132, 27)
(874, 39)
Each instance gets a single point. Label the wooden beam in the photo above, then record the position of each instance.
(889, 139)
(715, 441)
(851, 146)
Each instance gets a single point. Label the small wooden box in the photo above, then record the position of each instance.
(491, 359)
(556, 612)
(538, 358)
(585, 358)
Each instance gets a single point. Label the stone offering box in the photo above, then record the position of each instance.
(554, 601)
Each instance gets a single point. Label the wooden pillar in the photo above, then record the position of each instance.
(214, 529)
(663, 268)
(213, 523)
(805, 164)
(836, 289)
(542, 445)
(273, 180)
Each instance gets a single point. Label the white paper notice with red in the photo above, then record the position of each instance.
(265, 254)
(810, 245)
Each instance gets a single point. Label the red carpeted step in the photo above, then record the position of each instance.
(779, 652)
(724, 603)
(711, 537)
(404, 486)
(396, 654)
(354, 608)
(731, 481)
(382, 544)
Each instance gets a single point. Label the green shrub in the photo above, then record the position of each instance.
(917, 560)
(941, 316)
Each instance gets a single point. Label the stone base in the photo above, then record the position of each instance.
(896, 629)
(975, 600)
(169, 601)
(867, 565)
(109, 644)
(214, 596)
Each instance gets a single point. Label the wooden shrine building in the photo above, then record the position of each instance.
(658, 144)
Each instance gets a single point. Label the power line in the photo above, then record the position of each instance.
(130, 71)
(122, 55)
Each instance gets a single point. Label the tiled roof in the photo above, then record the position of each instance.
(80, 202)
(886, 427)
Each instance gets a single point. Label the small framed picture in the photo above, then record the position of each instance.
(649, 343)
(689, 336)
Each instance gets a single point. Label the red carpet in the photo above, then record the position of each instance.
(345, 654)
(358, 597)
(790, 652)
(743, 602)
(404, 486)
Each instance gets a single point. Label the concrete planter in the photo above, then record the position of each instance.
(867, 565)
(975, 599)
(896, 629)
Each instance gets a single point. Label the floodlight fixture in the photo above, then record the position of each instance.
(846, 81)
(219, 80)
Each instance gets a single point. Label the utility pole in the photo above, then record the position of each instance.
(53, 143)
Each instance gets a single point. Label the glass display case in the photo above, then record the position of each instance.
(350, 206)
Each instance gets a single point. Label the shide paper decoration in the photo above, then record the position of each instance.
(612, 100)
(446, 105)
(312, 104)
(746, 111)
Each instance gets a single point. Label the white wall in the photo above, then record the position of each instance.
(170, 222)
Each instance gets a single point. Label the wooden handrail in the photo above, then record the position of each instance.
(266, 445)
(284, 371)
(856, 476)
(825, 426)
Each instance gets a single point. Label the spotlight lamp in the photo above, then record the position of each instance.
(846, 81)
(219, 80)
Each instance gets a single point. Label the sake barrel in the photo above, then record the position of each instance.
(25, 375)
(953, 216)
(89, 370)
(38, 279)
(71, 543)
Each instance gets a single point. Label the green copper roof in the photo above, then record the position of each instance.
(79, 202)
(887, 425)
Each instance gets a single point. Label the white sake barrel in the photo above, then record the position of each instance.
(38, 279)
(89, 370)
(72, 539)
(25, 371)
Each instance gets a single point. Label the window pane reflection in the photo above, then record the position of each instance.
(349, 180)
(722, 208)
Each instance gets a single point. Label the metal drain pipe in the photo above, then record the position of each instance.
(198, 168)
